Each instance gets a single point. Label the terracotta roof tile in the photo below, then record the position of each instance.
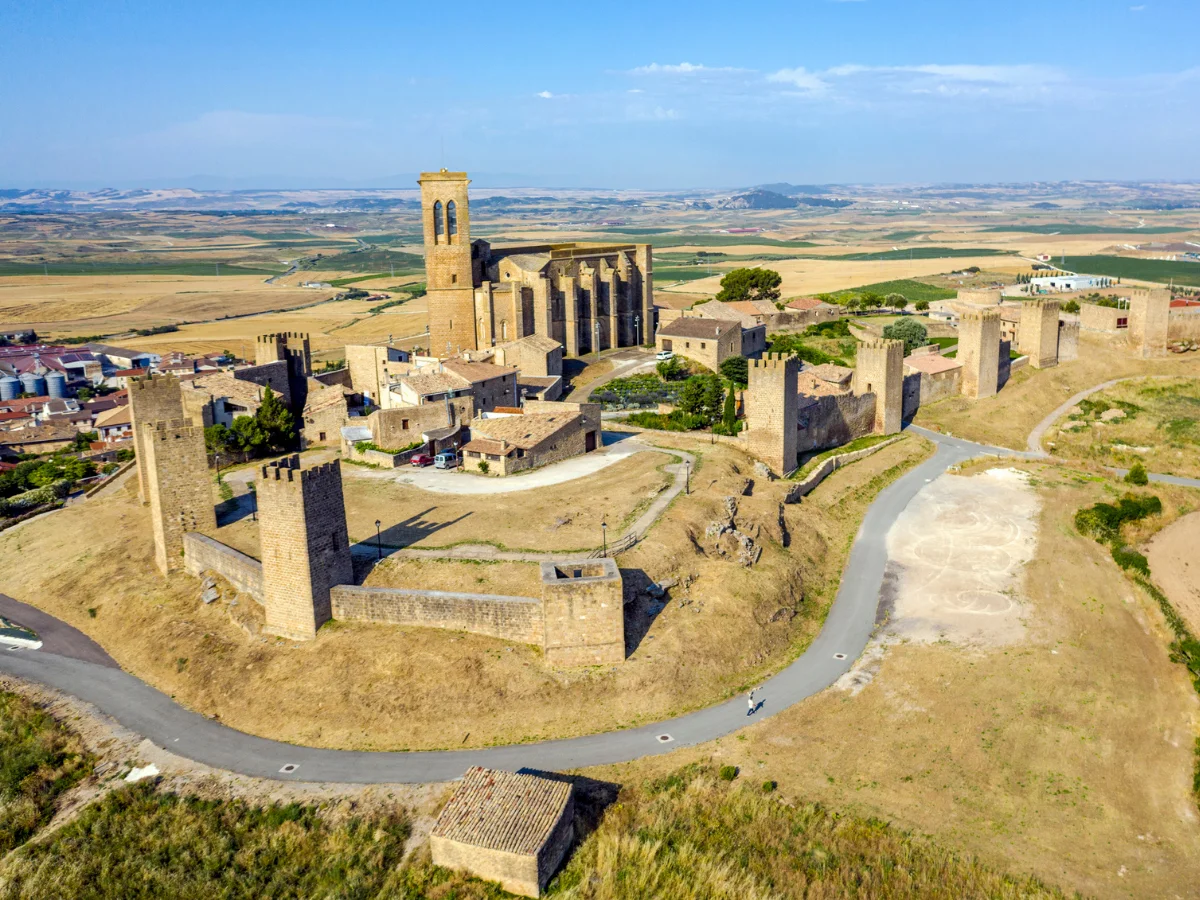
(503, 811)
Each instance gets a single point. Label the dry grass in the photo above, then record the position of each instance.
(1068, 755)
(389, 687)
(1162, 433)
(1172, 557)
(1006, 419)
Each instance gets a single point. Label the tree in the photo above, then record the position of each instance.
(248, 436)
(670, 369)
(896, 301)
(910, 331)
(736, 369)
(714, 397)
(922, 306)
(729, 414)
(852, 304)
(1137, 475)
(750, 284)
(1071, 306)
(276, 421)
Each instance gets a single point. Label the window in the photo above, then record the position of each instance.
(452, 220)
(454, 279)
(703, 346)
(439, 224)
(404, 424)
(321, 436)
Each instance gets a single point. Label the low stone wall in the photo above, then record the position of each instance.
(1184, 324)
(511, 618)
(381, 459)
(828, 467)
(835, 419)
(201, 553)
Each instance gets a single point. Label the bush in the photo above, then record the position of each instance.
(834, 329)
(1128, 558)
(1137, 475)
(750, 284)
(912, 332)
(769, 787)
(728, 773)
(736, 369)
(484, 467)
(671, 369)
(922, 306)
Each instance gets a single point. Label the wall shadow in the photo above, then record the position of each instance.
(641, 606)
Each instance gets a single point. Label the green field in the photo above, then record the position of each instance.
(924, 253)
(1067, 228)
(1156, 270)
(678, 240)
(674, 273)
(368, 261)
(902, 235)
(912, 290)
(104, 268)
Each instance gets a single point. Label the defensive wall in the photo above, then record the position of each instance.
(827, 467)
(204, 554)
(509, 618)
(833, 420)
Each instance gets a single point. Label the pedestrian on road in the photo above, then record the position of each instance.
(750, 712)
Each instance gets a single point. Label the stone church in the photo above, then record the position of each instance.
(587, 297)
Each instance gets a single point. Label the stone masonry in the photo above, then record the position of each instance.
(305, 544)
(449, 277)
(979, 352)
(176, 465)
(293, 348)
(772, 415)
(154, 398)
(584, 612)
(1149, 321)
(880, 370)
(1038, 337)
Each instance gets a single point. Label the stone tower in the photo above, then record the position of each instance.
(305, 544)
(583, 611)
(154, 398)
(880, 370)
(293, 348)
(1149, 318)
(979, 352)
(173, 457)
(1038, 337)
(449, 274)
(772, 411)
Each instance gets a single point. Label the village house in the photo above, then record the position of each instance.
(707, 341)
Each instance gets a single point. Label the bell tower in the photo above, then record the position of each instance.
(450, 286)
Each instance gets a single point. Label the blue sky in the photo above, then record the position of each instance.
(613, 94)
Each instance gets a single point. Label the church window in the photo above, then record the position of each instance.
(452, 220)
(439, 224)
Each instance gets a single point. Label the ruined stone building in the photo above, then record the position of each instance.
(586, 297)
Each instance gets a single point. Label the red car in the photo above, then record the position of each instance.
(422, 459)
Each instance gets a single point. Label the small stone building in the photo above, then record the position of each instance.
(509, 442)
(507, 827)
(707, 341)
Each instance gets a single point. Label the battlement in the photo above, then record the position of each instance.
(289, 468)
(980, 315)
(884, 345)
(167, 429)
(775, 362)
(1149, 293)
(153, 382)
(284, 336)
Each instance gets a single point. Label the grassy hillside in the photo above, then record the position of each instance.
(106, 268)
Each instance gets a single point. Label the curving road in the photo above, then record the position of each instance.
(843, 637)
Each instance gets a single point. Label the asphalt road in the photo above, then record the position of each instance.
(844, 636)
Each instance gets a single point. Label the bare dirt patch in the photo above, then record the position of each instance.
(1176, 567)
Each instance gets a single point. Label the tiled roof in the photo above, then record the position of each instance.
(529, 262)
(503, 811)
(119, 415)
(493, 448)
(225, 386)
(832, 373)
(42, 433)
(524, 431)
(805, 303)
(477, 371)
(537, 342)
(932, 364)
(697, 328)
(811, 386)
(435, 383)
(754, 307)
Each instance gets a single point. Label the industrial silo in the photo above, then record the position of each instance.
(33, 383)
(56, 385)
(10, 388)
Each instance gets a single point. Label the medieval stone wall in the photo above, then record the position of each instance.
(879, 369)
(1184, 324)
(835, 419)
(272, 374)
(509, 618)
(583, 609)
(1068, 341)
(979, 352)
(305, 544)
(1149, 321)
(1100, 318)
(154, 398)
(1038, 336)
(204, 554)
(178, 487)
(772, 412)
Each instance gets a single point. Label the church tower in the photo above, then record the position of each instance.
(450, 286)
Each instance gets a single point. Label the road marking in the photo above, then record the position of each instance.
(288, 769)
(839, 656)
(665, 739)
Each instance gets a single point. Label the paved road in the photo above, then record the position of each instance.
(847, 629)
(1035, 437)
(57, 636)
(843, 637)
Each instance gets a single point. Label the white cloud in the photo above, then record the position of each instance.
(801, 78)
(546, 95)
(684, 68)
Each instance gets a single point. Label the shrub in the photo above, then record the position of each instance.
(736, 369)
(1137, 475)
(671, 369)
(484, 467)
(1128, 558)
(768, 787)
(728, 773)
(922, 306)
(832, 329)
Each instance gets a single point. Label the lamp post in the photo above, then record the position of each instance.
(604, 536)
(378, 542)
(687, 477)
(253, 502)
(637, 330)
(596, 337)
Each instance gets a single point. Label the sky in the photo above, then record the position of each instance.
(612, 95)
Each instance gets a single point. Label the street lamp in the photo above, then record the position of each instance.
(687, 477)
(604, 534)
(378, 541)
(253, 502)
(637, 330)
(596, 340)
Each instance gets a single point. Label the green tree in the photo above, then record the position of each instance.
(248, 436)
(750, 284)
(912, 332)
(729, 414)
(1137, 475)
(852, 304)
(670, 369)
(922, 306)
(714, 397)
(276, 421)
(870, 300)
(691, 396)
(736, 369)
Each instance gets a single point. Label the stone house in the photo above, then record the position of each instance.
(512, 828)
(511, 442)
(706, 341)
(114, 424)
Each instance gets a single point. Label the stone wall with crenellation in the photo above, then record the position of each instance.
(979, 352)
(772, 412)
(1038, 336)
(510, 618)
(204, 554)
(178, 485)
(879, 370)
(154, 398)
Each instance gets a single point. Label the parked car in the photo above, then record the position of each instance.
(422, 459)
(447, 459)
(664, 354)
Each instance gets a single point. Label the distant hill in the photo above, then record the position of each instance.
(758, 200)
(791, 190)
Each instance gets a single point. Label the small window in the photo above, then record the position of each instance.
(454, 279)
(439, 224)
(321, 436)
(404, 424)
(452, 220)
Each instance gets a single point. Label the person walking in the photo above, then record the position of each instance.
(750, 712)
